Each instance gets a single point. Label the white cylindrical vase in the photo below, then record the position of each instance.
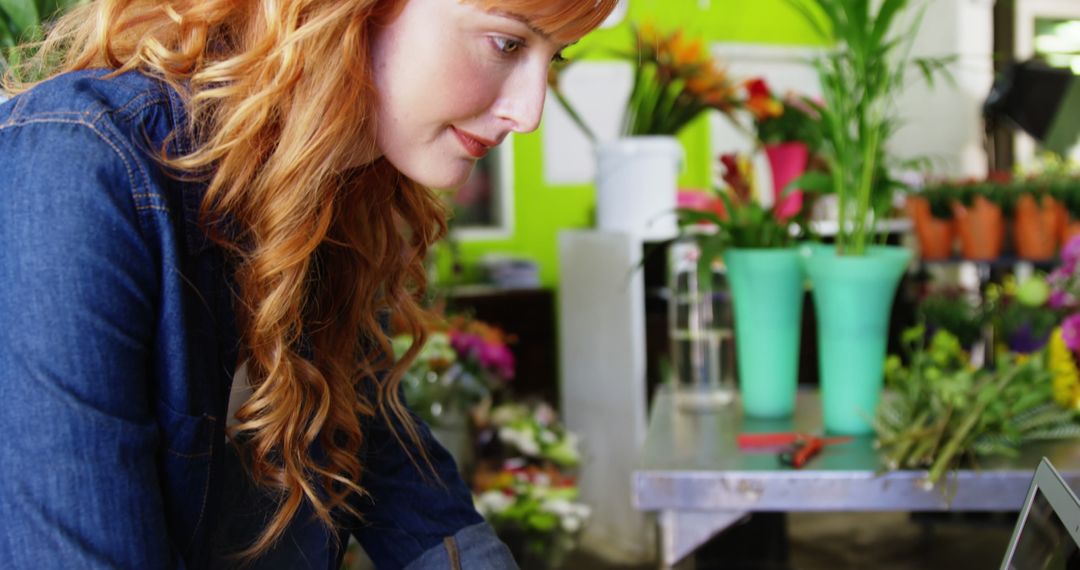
(636, 179)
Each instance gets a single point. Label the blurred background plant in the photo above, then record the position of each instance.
(860, 81)
(526, 482)
(791, 118)
(463, 362)
(953, 309)
(675, 80)
(1020, 313)
(23, 22)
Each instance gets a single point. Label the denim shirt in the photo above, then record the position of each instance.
(117, 352)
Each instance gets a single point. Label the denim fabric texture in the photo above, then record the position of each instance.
(116, 358)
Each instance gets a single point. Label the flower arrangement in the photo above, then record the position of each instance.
(941, 412)
(1065, 341)
(461, 364)
(738, 215)
(777, 120)
(535, 511)
(675, 80)
(1020, 313)
(525, 487)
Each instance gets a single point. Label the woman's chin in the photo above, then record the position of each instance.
(449, 178)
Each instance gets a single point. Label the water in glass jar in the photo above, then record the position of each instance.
(702, 343)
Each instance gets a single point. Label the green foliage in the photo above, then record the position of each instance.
(953, 310)
(939, 412)
(23, 21)
(859, 81)
(796, 123)
(940, 199)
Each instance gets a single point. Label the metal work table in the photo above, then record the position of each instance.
(697, 480)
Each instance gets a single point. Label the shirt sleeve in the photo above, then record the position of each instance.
(78, 476)
(416, 520)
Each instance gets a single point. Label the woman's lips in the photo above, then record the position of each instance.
(477, 147)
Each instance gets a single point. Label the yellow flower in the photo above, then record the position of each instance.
(1066, 376)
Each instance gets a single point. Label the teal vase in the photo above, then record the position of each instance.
(853, 298)
(767, 292)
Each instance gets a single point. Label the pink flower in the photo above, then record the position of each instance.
(1060, 299)
(491, 357)
(1070, 254)
(1070, 332)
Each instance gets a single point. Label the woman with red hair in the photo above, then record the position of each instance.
(215, 202)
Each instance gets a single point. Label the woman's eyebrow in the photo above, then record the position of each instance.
(524, 20)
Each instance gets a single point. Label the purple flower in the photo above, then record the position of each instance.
(1023, 340)
(1070, 332)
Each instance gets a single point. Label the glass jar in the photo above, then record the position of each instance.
(700, 328)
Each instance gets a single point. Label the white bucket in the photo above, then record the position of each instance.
(636, 179)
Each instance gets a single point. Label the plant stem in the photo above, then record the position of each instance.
(574, 116)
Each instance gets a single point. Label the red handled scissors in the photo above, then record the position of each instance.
(796, 449)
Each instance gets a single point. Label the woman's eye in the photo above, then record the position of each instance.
(507, 46)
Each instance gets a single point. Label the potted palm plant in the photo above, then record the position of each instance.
(854, 283)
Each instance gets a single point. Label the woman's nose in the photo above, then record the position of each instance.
(522, 101)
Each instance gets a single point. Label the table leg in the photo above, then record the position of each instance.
(682, 532)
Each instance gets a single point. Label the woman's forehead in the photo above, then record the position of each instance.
(565, 21)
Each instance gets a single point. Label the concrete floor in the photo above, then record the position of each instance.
(839, 541)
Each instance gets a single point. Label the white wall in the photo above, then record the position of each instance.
(945, 123)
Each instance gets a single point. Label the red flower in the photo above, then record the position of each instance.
(758, 88)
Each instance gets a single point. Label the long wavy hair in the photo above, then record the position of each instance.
(282, 108)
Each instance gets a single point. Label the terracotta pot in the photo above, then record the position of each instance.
(1070, 226)
(1036, 228)
(936, 236)
(981, 229)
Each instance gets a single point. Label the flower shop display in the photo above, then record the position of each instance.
(1036, 219)
(979, 210)
(520, 459)
(1020, 313)
(931, 213)
(675, 80)
(854, 282)
(940, 413)
(955, 310)
(1064, 349)
(525, 484)
(1066, 191)
(765, 277)
(788, 131)
(462, 363)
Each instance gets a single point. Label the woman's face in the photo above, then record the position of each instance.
(453, 80)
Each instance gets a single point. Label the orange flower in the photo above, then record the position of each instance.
(685, 54)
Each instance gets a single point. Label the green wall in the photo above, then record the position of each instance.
(542, 210)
